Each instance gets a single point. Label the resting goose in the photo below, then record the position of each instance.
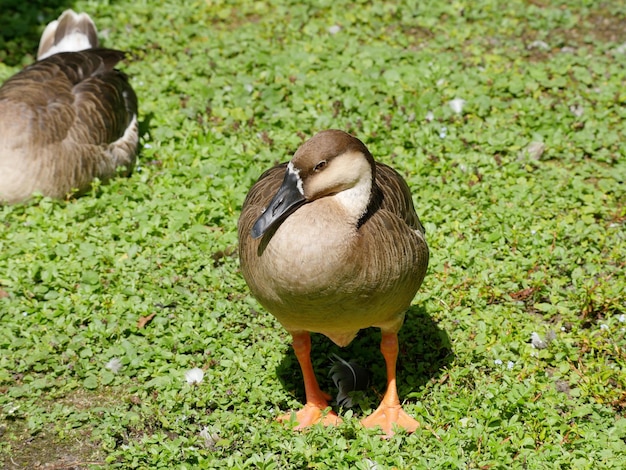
(330, 243)
(68, 118)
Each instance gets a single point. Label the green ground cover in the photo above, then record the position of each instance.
(521, 191)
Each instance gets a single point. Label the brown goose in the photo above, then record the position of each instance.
(330, 243)
(68, 118)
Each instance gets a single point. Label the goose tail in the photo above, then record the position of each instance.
(71, 32)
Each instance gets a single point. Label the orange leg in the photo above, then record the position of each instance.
(390, 411)
(316, 400)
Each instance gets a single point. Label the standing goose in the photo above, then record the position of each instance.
(68, 118)
(330, 243)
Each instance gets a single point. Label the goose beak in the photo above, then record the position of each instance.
(286, 200)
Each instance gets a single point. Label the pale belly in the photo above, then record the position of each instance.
(316, 280)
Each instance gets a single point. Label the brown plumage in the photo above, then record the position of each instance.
(330, 243)
(66, 119)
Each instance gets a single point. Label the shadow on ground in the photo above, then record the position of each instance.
(425, 350)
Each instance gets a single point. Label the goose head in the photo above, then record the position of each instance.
(330, 164)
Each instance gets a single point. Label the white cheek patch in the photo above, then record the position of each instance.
(356, 198)
(296, 171)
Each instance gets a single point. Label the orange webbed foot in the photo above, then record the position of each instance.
(388, 415)
(310, 415)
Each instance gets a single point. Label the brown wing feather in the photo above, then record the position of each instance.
(391, 193)
(73, 90)
(395, 226)
(70, 121)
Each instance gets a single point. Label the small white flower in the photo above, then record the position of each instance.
(114, 365)
(534, 150)
(248, 87)
(334, 29)
(498, 362)
(621, 318)
(210, 438)
(510, 365)
(604, 326)
(457, 105)
(443, 132)
(194, 376)
(371, 465)
(620, 49)
(577, 110)
(537, 342)
(430, 116)
(465, 422)
(539, 45)
(147, 146)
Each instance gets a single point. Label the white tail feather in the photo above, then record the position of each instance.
(71, 32)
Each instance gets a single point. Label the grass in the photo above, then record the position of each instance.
(522, 194)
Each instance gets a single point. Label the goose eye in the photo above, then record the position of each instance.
(320, 166)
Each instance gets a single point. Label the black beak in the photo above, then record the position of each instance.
(286, 200)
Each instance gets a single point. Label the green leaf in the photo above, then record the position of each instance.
(90, 382)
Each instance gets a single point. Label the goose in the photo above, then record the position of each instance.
(68, 118)
(330, 243)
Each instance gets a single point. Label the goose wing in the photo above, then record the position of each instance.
(77, 94)
(393, 194)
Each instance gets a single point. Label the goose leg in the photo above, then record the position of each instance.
(390, 411)
(316, 399)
